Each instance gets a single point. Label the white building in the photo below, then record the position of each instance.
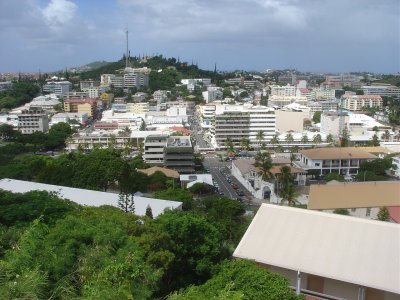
(286, 91)
(382, 90)
(89, 197)
(137, 108)
(81, 118)
(32, 120)
(212, 94)
(135, 80)
(60, 88)
(281, 101)
(326, 256)
(239, 122)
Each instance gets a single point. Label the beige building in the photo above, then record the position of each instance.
(360, 199)
(344, 160)
(287, 120)
(357, 102)
(88, 106)
(137, 108)
(281, 101)
(326, 256)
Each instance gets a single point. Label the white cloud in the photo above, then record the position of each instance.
(59, 12)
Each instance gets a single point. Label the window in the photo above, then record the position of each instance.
(317, 164)
(368, 212)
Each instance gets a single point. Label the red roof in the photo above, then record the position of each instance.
(304, 90)
(80, 100)
(394, 212)
(182, 129)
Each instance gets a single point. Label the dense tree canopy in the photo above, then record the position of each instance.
(19, 94)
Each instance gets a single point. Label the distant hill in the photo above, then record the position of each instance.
(90, 66)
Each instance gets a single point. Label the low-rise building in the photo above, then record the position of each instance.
(325, 256)
(383, 90)
(32, 120)
(91, 198)
(360, 199)
(154, 149)
(281, 101)
(81, 118)
(344, 161)
(137, 108)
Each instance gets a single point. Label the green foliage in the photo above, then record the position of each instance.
(57, 135)
(21, 208)
(369, 176)
(19, 94)
(196, 245)
(164, 80)
(201, 189)
(240, 280)
(149, 212)
(383, 214)
(263, 162)
(176, 194)
(317, 117)
(377, 166)
(341, 211)
(334, 176)
(24, 167)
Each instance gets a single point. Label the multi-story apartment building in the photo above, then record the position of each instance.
(32, 120)
(88, 84)
(88, 106)
(287, 90)
(319, 94)
(60, 88)
(357, 102)
(137, 108)
(342, 80)
(174, 152)
(137, 80)
(281, 101)
(344, 161)
(178, 154)
(328, 105)
(239, 122)
(382, 90)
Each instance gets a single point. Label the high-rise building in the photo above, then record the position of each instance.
(32, 120)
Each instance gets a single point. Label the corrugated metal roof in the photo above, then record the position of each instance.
(354, 195)
(89, 197)
(349, 249)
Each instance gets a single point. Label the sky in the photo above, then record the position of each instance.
(307, 35)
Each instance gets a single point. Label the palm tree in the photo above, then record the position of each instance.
(127, 130)
(274, 140)
(304, 139)
(112, 141)
(329, 138)
(260, 138)
(386, 135)
(263, 162)
(289, 195)
(229, 144)
(245, 144)
(289, 138)
(317, 139)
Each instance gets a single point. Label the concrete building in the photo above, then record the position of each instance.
(321, 94)
(344, 161)
(283, 91)
(383, 90)
(88, 84)
(89, 197)
(325, 256)
(154, 149)
(60, 88)
(239, 122)
(334, 122)
(76, 105)
(32, 120)
(288, 120)
(212, 94)
(137, 108)
(173, 152)
(325, 105)
(360, 199)
(81, 118)
(342, 80)
(357, 102)
(136, 80)
(281, 101)
(178, 154)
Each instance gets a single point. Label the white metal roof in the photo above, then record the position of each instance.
(349, 249)
(89, 197)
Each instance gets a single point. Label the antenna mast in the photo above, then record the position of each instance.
(126, 54)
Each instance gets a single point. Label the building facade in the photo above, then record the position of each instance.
(60, 88)
(32, 120)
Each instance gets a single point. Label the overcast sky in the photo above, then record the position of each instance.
(309, 35)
